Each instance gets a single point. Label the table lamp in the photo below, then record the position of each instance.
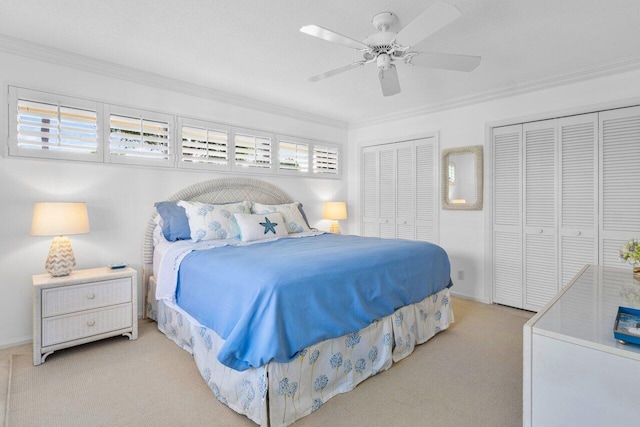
(334, 211)
(59, 220)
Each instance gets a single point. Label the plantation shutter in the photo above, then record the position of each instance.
(507, 232)
(140, 137)
(620, 181)
(294, 156)
(252, 151)
(325, 160)
(48, 125)
(204, 146)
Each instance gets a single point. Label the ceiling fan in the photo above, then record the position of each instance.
(386, 47)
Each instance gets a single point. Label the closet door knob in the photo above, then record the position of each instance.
(91, 296)
(91, 322)
(579, 233)
(541, 231)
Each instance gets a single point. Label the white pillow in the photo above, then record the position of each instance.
(290, 212)
(209, 222)
(257, 227)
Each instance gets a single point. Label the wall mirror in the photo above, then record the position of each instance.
(462, 178)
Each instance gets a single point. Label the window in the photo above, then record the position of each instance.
(306, 157)
(294, 156)
(325, 160)
(140, 137)
(203, 145)
(54, 126)
(251, 150)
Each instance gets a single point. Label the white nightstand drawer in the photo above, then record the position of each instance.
(69, 299)
(59, 329)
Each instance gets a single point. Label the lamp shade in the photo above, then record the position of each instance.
(334, 210)
(59, 219)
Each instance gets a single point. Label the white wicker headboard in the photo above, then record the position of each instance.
(222, 190)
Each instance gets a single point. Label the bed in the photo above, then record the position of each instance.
(334, 353)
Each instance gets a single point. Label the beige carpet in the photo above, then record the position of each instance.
(470, 375)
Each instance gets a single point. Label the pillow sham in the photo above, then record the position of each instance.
(158, 235)
(210, 222)
(258, 227)
(290, 212)
(175, 224)
(304, 216)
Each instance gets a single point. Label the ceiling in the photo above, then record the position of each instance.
(254, 48)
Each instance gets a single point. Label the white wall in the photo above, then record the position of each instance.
(462, 233)
(119, 198)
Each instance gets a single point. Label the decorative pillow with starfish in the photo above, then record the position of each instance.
(258, 227)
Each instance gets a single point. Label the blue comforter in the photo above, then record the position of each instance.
(270, 300)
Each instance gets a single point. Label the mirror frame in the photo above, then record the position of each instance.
(476, 150)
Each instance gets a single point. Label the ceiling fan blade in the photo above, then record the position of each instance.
(389, 81)
(438, 16)
(446, 61)
(335, 71)
(332, 36)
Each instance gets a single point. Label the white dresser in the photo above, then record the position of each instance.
(575, 372)
(85, 306)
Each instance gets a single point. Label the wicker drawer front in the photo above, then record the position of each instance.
(69, 299)
(59, 329)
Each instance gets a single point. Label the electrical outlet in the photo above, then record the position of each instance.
(460, 274)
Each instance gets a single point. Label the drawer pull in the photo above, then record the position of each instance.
(91, 322)
(91, 296)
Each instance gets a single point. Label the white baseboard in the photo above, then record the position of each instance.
(15, 343)
(469, 297)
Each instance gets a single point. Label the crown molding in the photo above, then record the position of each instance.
(532, 86)
(56, 56)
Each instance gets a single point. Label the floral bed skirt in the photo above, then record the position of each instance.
(278, 394)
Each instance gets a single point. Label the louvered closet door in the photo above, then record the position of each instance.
(578, 220)
(405, 191)
(540, 229)
(370, 192)
(387, 191)
(426, 194)
(507, 222)
(619, 181)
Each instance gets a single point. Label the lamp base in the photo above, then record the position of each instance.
(60, 261)
(334, 227)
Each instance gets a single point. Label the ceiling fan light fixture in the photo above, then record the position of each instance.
(383, 62)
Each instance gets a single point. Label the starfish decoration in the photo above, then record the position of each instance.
(269, 226)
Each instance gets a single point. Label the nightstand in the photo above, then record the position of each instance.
(85, 306)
